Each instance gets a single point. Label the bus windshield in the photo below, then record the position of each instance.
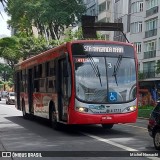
(115, 83)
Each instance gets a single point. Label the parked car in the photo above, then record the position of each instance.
(10, 98)
(154, 126)
(4, 94)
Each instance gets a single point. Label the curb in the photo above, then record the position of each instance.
(143, 118)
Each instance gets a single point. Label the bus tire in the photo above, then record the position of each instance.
(107, 126)
(53, 118)
(25, 115)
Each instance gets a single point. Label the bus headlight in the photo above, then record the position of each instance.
(129, 109)
(81, 109)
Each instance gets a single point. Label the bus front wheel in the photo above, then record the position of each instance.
(107, 126)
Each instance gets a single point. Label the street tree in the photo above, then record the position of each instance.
(7, 76)
(9, 50)
(6, 72)
(16, 48)
(49, 17)
(30, 46)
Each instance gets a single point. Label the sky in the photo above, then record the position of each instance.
(3, 24)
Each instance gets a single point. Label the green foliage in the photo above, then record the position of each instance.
(50, 17)
(145, 111)
(30, 46)
(9, 50)
(6, 72)
(14, 48)
(70, 35)
(77, 35)
(140, 75)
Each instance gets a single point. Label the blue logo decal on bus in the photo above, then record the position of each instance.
(112, 96)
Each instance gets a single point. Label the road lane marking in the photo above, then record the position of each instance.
(117, 145)
(110, 142)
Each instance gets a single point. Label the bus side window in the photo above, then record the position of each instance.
(39, 70)
(50, 84)
(36, 85)
(51, 68)
(47, 69)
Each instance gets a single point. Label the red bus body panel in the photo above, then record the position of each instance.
(75, 117)
(81, 118)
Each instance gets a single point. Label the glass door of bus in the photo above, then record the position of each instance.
(17, 90)
(64, 87)
(30, 90)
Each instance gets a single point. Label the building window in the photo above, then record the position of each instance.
(151, 24)
(136, 27)
(138, 46)
(102, 7)
(149, 69)
(151, 3)
(139, 66)
(108, 19)
(150, 46)
(159, 44)
(137, 7)
(151, 28)
(150, 49)
(104, 36)
(108, 5)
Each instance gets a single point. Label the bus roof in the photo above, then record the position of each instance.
(57, 51)
(102, 41)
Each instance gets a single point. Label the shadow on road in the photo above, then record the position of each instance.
(39, 124)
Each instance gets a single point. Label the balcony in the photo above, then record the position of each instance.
(150, 54)
(150, 33)
(148, 74)
(152, 11)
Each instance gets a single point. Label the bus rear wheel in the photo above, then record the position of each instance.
(53, 118)
(25, 115)
(107, 126)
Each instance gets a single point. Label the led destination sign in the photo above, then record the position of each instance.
(115, 49)
(102, 49)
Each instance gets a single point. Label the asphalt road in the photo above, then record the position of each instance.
(90, 142)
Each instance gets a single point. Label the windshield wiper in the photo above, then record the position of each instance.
(95, 68)
(116, 68)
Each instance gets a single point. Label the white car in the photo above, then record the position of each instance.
(10, 98)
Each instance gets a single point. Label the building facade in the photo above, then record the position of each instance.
(141, 22)
(102, 9)
(105, 14)
(91, 7)
(141, 26)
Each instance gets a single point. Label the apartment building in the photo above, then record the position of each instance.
(141, 20)
(121, 15)
(91, 7)
(141, 26)
(105, 14)
(102, 9)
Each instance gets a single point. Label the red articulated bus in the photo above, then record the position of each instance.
(80, 82)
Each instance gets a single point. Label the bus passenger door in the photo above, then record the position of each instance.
(30, 90)
(17, 90)
(64, 87)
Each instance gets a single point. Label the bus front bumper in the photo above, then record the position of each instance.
(83, 118)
